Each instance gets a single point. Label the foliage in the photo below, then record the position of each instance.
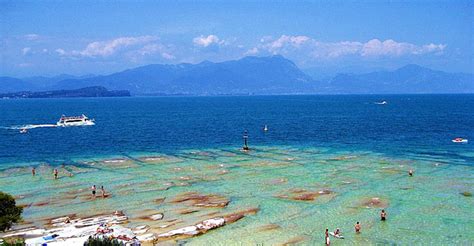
(9, 212)
(12, 241)
(104, 241)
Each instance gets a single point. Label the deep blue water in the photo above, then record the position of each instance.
(421, 124)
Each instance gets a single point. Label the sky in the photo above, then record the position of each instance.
(47, 38)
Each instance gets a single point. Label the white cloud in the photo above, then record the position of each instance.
(110, 47)
(61, 52)
(134, 49)
(31, 36)
(26, 50)
(392, 48)
(252, 51)
(155, 48)
(25, 65)
(210, 40)
(284, 40)
(312, 48)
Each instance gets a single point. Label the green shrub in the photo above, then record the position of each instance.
(9, 212)
(104, 241)
(12, 242)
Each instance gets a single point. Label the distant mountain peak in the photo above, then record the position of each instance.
(412, 68)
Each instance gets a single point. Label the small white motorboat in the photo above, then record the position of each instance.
(265, 128)
(459, 140)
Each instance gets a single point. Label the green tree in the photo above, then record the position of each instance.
(105, 241)
(9, 212)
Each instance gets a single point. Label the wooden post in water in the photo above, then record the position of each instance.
(246, 137)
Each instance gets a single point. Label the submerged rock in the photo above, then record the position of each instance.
(295, 240)
(230, 218)
(303, 195)
(187, 211)
(277, 181)
(118, 163)
(466, 193)
(159, 200)
(269, 227)
(342, 158)
(158, 159)
(200, 200)
(375, 202)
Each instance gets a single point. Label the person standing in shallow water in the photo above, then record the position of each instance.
(383, 215)
(33, 171)
(93, 190)
(357, 227)
(56, 173)
(102, 191)
(410, 172)
(326, 238)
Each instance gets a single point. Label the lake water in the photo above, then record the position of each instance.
(325, 162)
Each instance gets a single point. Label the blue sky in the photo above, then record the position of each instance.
(101, 37)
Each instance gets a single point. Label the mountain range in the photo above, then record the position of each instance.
(250, 75)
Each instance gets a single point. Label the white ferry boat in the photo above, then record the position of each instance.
(75, 121)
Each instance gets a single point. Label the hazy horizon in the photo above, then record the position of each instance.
(308, 71)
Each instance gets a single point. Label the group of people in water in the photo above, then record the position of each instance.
(102, 191)
(93, 188)
(357, 226)
(55, 173)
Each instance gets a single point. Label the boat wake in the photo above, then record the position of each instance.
(31, 126)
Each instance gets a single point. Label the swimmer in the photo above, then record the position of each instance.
(337, 232)
(383, 215)
(55, 173)
(326, 237)
(93, 190)
(33, 171)
(357, 227)
(102, 191)
(410, 172)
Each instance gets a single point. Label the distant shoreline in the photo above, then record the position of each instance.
(94, 91)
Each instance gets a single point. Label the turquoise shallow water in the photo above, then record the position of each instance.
(354, 152)
(427, 208)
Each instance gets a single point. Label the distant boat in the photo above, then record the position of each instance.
(382, 103)
(265, 128)
(459, 140)
(75, 121)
